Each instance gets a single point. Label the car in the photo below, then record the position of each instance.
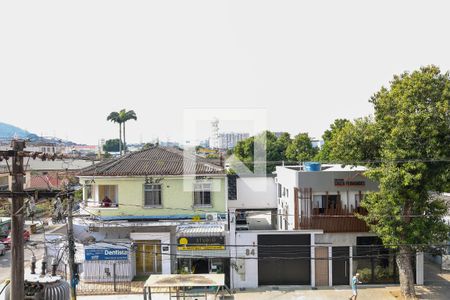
(2, 249)
(7, 241)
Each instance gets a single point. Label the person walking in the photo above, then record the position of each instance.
(355, 282)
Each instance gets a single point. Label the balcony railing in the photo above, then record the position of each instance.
(334, 220)
(96, 204)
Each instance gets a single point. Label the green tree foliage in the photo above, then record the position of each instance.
(301, 149)
(121, 118)
(355, 143)
(408, 142)
(327, 137)
(111, 145)
(277, 149)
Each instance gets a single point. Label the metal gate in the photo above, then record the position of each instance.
(284, 259)
(108, 281)
(341, 265)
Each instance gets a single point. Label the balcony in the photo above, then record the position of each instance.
(334, 220)
(100, 204)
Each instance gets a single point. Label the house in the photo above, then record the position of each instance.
(167, 208)
(319, 241)
(43, 174)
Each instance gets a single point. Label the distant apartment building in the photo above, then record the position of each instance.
(229, 140)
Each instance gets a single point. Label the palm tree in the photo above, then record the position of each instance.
(125, 116)
(115, 117)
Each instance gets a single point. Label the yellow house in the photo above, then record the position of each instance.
(142, 203)
(158, 183)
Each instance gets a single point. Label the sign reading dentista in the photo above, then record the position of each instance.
(201, 243)
(343, 182)
(106, 254)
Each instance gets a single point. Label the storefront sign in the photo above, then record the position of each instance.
(106, 254)
(198, 243)
(343, 182)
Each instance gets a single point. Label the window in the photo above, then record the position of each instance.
(202, 194)
(279, 190)
(107, 195)
(152, 195)
(88, 191)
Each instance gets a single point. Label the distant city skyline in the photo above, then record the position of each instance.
(66, 66)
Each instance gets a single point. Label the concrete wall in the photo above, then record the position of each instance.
(244, 258)
(340, 239)
(324, 181)
(255, 193)
(176, 199)
(288, 180)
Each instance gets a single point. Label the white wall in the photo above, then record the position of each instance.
(164, 237)
(246, 275)
(244, 261)
(289, 180)
(255, 193)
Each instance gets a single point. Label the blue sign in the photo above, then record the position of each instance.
(106, 254)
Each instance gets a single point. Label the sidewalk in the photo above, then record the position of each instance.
(287, 294)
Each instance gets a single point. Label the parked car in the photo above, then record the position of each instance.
(2, 249)
(7, 241)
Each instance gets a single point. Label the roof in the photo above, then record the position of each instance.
(48, 165)
(200, 229)
(328, 168)
(154, 161)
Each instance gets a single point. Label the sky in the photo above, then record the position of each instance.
(64, 66)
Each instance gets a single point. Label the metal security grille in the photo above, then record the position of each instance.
(284, 259)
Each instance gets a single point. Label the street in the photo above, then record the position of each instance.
(34, 246)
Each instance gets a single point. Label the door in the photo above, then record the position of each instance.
(148, 257)
(341, 265)
(284, 259)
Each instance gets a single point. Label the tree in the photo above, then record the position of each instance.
(335, 127)
(301, 148)
(408, 143)
(126, 116)
(112, 145)
(115, 118)
(356, 143)
(121, 118)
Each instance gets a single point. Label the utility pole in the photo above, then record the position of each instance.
(73, 280)
(17, 222)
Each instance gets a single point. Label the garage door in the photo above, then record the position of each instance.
(284, 259)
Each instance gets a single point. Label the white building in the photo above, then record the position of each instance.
(319, 241)
(229, 140)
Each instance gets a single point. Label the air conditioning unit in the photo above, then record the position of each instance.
(211, 217)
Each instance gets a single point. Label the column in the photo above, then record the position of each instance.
(330, 266)
(350, 275)
(313, 260)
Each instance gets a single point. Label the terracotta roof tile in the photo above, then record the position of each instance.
(153, 161)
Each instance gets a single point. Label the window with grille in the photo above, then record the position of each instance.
(202, 194)
(152, 195)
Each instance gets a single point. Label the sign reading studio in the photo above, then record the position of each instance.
(197, 243)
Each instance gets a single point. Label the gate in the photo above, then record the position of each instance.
(341, 265)
(107, 280)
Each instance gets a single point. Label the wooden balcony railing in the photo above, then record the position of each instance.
(334, 220)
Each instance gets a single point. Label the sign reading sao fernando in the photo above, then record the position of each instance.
(106, 254)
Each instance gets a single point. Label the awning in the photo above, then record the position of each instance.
(201, 229)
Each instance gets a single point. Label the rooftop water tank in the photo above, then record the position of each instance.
(311, 166)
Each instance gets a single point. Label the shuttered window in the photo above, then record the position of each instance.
(152, 195)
